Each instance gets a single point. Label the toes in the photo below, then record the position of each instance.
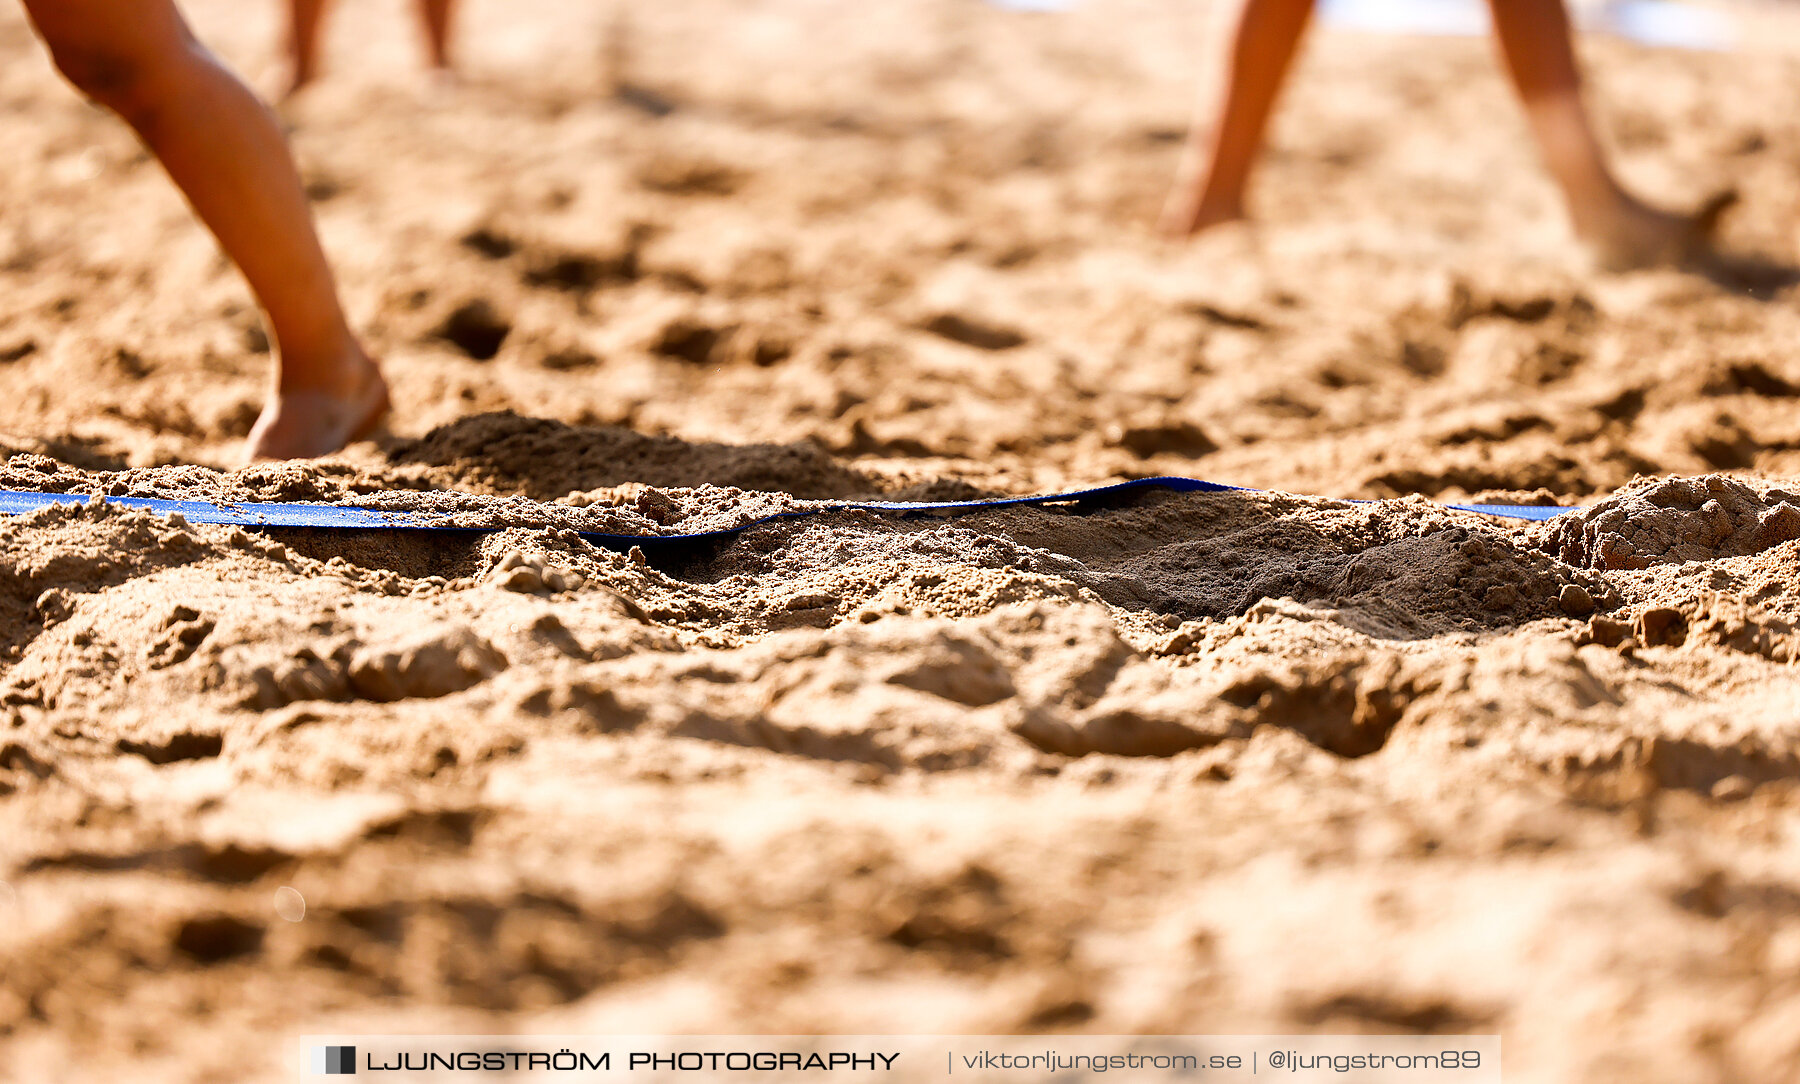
(305, 426)
(1698, 242)
(1712, 212)
(1715, 207)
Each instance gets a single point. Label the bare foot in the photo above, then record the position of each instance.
(308, 422)
(298, 81)
(443, 87)
(1631, 235)
(1185, 215)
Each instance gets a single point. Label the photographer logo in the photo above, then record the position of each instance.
(334, 1060)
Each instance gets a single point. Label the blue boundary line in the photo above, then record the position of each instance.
(347, 517)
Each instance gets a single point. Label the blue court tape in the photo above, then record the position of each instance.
(347, 517)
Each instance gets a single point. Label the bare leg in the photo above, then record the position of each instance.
(305, 18)
(1210, 189)
(223, 148)
(1535, 40)
(436, 16)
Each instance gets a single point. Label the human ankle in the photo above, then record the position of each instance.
(342, 370)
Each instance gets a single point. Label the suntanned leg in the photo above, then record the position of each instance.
(436, 16)
(1536, 42)
(1215, 171)
(224, 149)
(305, 19)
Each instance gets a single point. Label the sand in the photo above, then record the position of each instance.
(1233, 763)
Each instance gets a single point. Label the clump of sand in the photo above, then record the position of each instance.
(1675, 521)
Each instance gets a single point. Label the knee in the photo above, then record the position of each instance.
(112, 79)
(117, 66)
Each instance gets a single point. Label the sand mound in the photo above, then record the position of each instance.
(545, 459)
(1678, 520)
